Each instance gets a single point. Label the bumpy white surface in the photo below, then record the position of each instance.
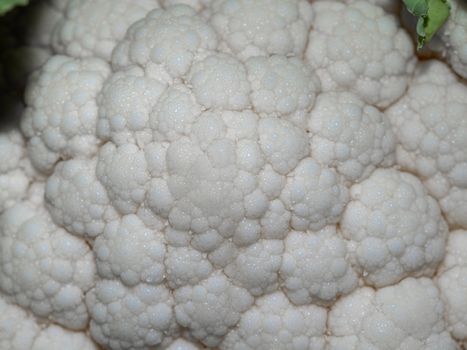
(94, 27)
(211, 321)
(395, 229)
(358, 47)
(408, 315)
(167, 40)
(431, 126)
(282, 86)
(76, 200)
(130, 318)
(392, 6)
(61, 114)
(130, 251)
(43, 267)
(316, 268)
(275, 324)
(454, 37)
(453, 284)
(21, 331)
(15, 169)
(315, 195)
(183, 182)
(349, 135)
(262, 27)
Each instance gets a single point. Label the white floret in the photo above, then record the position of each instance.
(61, 114)
(282, 85)
(357, 47)
(262, 27)
(166, 41)
(452, 283)
(211, 308)
(256, 267)
(14, 174)
(220, 81)
(408, 315)
(76, 200)
(182, 344)
(456, 250)
(126, 102)
(453, 35)
(174, 113)
(283, 143)
(138, 318)
(391, 6)
(315, 195)
(349, 135)
(395, 229)
(123, 172)
(43, 268)
(92, 28)
(211, 184)
(316, 267)
(186, 266)
(276, 324)
(430, 122)
(20, 331)
(130, 251)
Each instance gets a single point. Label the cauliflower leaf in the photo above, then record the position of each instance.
(432, 14)
(7, 5)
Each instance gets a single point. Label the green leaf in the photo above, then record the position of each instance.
(417, 7)
(7, 5)
(432, 14)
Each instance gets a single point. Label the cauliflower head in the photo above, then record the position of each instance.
(229, 174)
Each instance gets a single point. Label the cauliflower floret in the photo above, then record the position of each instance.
(452, 283)
(137, 318)
(262, 27)
(359, 48)
(20, 331)
(130, 251)
(453, 35)
(430, 122)
(61, 114)
(43, 268)
(349, 135)
(126, 105)
(392, 6)
(166, 41)
(211, 308)
(283, 86)
(186, 266)
(123, 173)
(182, 344)
(408, 315)
(76, 200)
(395, 229)
(283, 144)
(275, 324)
(94, 27)
(316, 268)
(315, 195)
(15, 176)
(220, 81)
(256, 267)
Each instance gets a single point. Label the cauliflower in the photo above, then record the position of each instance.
(229, 174)
(358, 47)
(431, 128)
